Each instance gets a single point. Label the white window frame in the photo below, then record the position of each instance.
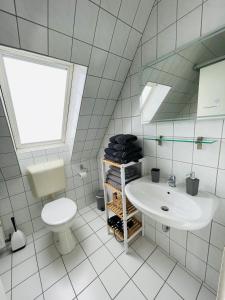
(38, 59)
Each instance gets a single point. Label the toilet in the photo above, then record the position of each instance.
(46, 179)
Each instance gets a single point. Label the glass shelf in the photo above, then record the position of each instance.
(199, 140)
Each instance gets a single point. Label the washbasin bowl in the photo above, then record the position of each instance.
(172, 206)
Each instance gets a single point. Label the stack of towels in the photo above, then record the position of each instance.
(113, 176)
(122, 149)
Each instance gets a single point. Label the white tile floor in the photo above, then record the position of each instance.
(97, 269)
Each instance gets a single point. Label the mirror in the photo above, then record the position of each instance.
(169, 86)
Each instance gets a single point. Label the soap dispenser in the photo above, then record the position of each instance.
(192, 184)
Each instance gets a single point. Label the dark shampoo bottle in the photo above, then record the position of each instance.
(192, 184)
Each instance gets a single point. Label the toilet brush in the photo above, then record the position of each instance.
(18, 239)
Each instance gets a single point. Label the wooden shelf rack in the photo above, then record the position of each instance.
(126, 211)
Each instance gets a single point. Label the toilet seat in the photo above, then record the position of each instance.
(59, 211)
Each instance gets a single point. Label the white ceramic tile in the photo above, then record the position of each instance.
(213, 15)
(84, 27)
(205, 294)
(52, 273)
(94, 291)
(220, 188)
(103, 235)
(128, 10)
(15, 186)
(218, 235)
(104, 30)
(161, 263)
(110, 6)
(101, 259)
(143, 277)
(8, 5)
(23, 254)
(6, 280)
(132, 44)
(188, 28)
(182, 152)
(74, 258)
(130, 262)
(167, 293)
(83, 232)
(197, 246)
(34, 11)
(24, 270)
(185, 7)
(28, 289)
(112, 65)
(130, 291)
(166, 13)
(5, 262)
(59, 45)
(184, 283)
(215, 257)
(97, 62)
(167, 40)
(61, 15)
(82, 276)
(114, 278)
(209, 128)
(151, 26)
(32, 37)
(195, 265)
(43, 242)
(80, 52)
(208, 156)
(207, 178)
(120, 37)
(91, 244)
(212, 278)
(114, 247)
(46, 256)
(62, 290)
(142, 14)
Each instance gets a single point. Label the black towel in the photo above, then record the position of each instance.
(123, 139)
(118, 179)
(127, 174)
(126, 160)
(127, 147)
(120, 154)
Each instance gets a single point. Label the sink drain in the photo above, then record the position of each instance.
(164, 208)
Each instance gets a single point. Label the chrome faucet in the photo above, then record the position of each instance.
(172, 180)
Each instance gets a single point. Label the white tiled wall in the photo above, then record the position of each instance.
(17, 199)
(171, 24)
(102, 35)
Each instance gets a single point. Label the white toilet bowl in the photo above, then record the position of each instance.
(59, 215)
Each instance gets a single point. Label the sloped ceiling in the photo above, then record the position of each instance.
(100, 34)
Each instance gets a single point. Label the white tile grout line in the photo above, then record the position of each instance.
(115, 259)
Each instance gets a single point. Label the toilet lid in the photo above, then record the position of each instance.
(58, 211)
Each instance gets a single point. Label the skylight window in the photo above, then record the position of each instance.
(37, 99)
(151, 99)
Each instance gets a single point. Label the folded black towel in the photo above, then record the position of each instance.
(118, 179)
(123, 139)
(126, 160)
(127, 174)
(115, 184)
(120, 154)
(127, 147)
(131, 170)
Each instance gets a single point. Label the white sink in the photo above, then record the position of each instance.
(184, 211)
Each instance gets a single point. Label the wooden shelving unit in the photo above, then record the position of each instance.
(126, 211)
